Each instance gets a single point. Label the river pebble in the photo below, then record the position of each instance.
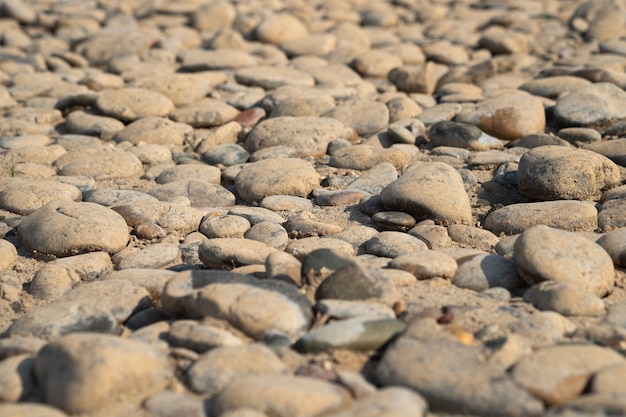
(543, 253)
(258, 209)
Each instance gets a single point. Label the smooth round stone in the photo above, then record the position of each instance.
(217, 368)
(153, 280)
(445, 52)
(190, 172)
(305, 225)
(283, 267)
(402, 108)
(309, 136)
(596, 105)
(232, 252)
(320, 263)
(258, 310)
(365, 157)
(156, 130)
(257, 214)
(52, 281)
(271, 152)
(392, 244)
(412, 193)
(29, 410)
(67, 228)
(553, 87)
(121, 298)
(546, 254)
(473, 236)
(119, 368)
(558, 374)
(573, 216)
(555, 173)
(269, 78)
(417, 78)
(393, 220)
(171, 217)
(356, 281)
(282, 395)
(615, 150)
(88, 266)
(453, 378)
(462, 135)
(286, 203)
(83, 123)
(8, 255)
(227, 154)
(537, 140)
(481, 272)
(198, 194)
(338, 197)
(315, 44)
(611, 211)
(284, 176)
(25, 196)
(207, 112)
(375, 179)
(129, 104)
(491, 159)
(173, 403)
(508, 117)
(23, 141)
(152, 154)
(353, 334)
(365, 116)
(426, 264)
(580, 136)
(182, 89)
(278, 28)
(99, 163)
(250, 117)
(61, 318)
(221, 59)
(345, 309)
(199, 337)
(297, 101)
(100, 48)
(376, 63)
(439, 112)
(607, 380)
(389, 400)
(155, 256)
(435, 236)
(270, 233)
(224, 226)
(614, 243)
(564, 298)
(111, 197)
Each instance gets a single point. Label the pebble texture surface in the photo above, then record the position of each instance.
(254, 208)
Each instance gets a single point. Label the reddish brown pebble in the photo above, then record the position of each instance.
(250, 117)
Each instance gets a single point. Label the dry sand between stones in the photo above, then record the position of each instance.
(327, 208)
